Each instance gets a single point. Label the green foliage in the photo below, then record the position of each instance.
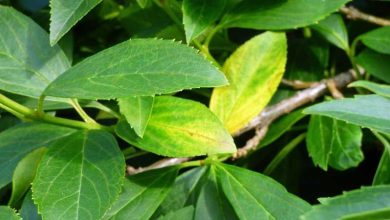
(104, 115)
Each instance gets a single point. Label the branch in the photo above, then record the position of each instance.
(354, 14)
(265, 118)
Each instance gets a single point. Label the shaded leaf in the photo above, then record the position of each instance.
(280, 14)
(180, 128)
(376, 64)
(27, 61)
(18, 141)
(198, 15)
(8, 213)
(281, 126)
(141, 67)
(380, 89)
(333, 29)
(29, 210)
(142, 194)
(143, 3)
(382, 174)
(137, 111)
(377, 39)
(367, 199)
(365, 110)
(79, 177)
(181, 214)
(24, 174)
(64, 14)
(254, 72)
(267, 200)
(333, 142)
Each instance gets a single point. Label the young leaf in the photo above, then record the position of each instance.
(180, 128)
(255, 196)
(8, 213)
(333, 142)
(279, 15)
(198, 15)
(365, 110)
(378, 39)
(143, 3)
(141, 67)
(333, 29)
(367, 199)
(137, 111)
(29, 210)
(24, 174)
(254, 71)
(27, 62)
(64, 14)
(18, 141)
(142, 194)
(79, 177)
(376, 64)
(380, 89)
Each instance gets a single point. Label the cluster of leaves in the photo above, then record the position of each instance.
(147, 96)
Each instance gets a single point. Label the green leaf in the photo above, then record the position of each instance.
(143, 3)
(18, 141)
(333, 30)
(267, 200)
(24, 174)
(378, 39)
(64, 14)
(280, 14)
(137, 111)
(376, 64)
(184, 191)
(380, 89)
(382, 174)
(27, 62)
(254, 71)
(375, 215)
(198, 15)
(196, 132)
(79, 177)
(281, 126)
(142, 67)
(181, 214)
(333, 142)
(142, 194)
(365, 110)
(367, 199)
(212, 202)
(29, 210)
(8, 213)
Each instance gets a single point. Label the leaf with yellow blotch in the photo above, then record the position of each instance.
(254, 71)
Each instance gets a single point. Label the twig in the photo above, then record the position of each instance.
(333, 89)
(298, 84)
(265, 118)
(354, 14)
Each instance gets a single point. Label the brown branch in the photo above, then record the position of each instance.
(298, 84)
(265, 118)
(354, 14)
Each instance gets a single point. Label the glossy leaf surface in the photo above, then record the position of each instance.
(64, 14)
(378, 39)
(179, 128)
(79, 177)
(254, 72)
(333, 142)
(18, 141)
(141, 67)
(27, 61)
(365, 110)
(375, 63)
(137, 111)
(280, 14)
(380, 89)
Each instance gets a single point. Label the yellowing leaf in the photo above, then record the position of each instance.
(254, 71)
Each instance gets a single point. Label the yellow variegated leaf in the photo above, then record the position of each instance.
(254, 71)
